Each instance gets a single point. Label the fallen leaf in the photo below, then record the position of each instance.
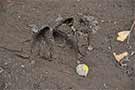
(119, 57)
(123, 35)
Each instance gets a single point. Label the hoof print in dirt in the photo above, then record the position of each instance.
(68, 35)
(63, 34)
(59, 37)
(42, 42)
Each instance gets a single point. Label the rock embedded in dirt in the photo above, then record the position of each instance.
(22, 66)
(43, 41)
(59, 18)
(82, 70)
(1, 69)
(90, 48)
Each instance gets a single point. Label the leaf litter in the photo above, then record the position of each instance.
(119, 57)
(122, 36)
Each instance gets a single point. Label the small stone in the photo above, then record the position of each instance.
(94, 22)
(5, 63)
(1, 69)
(109, 48)
(102, 21)
(73, 28)
(32, 62)
(19, 16)
(78, 62)
(46, 72)
(105, 86)
(35, 28)
(59, 18)
(82, 70)
(90, 48)
(124, 65)
(22, 66)
(132, 53)
(115, 22)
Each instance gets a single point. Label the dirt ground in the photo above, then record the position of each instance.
(22, 70)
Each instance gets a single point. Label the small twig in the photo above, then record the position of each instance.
(131, 29)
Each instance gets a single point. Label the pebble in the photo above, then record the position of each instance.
(46, 72)
(32, 62)
(102, 21)
(5, 63)
(82, 70)
(105, 86)
(1, 69)
(34, 27)
(22, 66)
(59, 18)
(109, 48)
(78, 62)
(90, 48)
(132, 53)
(115, 22)
(19, 16)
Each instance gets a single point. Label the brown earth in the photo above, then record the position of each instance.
(21, 70)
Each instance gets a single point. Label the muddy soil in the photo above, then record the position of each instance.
(24, 67)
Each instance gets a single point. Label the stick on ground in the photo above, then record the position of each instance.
(131, 29)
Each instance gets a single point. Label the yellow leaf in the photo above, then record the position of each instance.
(123, 35)
(119, 57)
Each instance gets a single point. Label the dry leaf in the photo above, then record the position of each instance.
(119, 57)
(123, 35)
